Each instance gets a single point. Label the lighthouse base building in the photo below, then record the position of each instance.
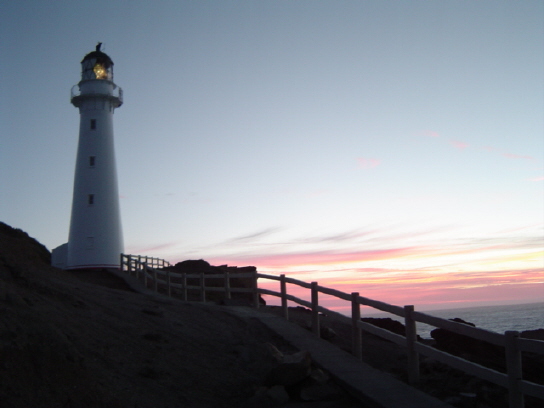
(96, 237)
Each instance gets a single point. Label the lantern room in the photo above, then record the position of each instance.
(97, 65)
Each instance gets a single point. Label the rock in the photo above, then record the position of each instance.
(327, 333)
(277, 395)
(452, 342)
(274, 352)
(192, 266)
(293, 369)
(469, 348)
(537, 334)
(319, 376)
(321, 392)
(386, 323)
(318, 387)
(266, 397)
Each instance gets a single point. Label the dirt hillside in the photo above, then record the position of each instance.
(65, 342)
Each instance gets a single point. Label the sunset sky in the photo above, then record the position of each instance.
(394, 148)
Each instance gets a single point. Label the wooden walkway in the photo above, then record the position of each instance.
(374, 388)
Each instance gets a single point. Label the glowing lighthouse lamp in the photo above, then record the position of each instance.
(96, 237)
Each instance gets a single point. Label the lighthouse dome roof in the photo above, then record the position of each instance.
(98, 56)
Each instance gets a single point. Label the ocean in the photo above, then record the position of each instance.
(494, 318)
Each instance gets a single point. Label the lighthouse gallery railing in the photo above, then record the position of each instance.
(161, 281)
(117, 93)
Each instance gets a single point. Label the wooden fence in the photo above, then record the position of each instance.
(513, 344)
(177, 284)
(137, 261)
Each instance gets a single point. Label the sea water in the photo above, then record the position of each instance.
(494, 318)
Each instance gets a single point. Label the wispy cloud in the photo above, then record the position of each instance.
(324, 257)
(367, 163)
(395, 268)
(509, 155)
(151, 250)
(339, 237)
(432, 287)
(424, 288)
(459, 145)
(517, 156)
(429, 133)
(537, 178)
(255, 235)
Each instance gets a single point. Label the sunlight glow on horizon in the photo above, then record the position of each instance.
(424, 275)
(428, 268)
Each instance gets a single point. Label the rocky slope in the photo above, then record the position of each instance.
(65, 342)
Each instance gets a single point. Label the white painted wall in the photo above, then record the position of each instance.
(96, 237)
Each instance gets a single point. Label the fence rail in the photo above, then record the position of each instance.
(177, 284)
(514, 345)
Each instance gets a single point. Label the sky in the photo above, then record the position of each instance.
(390, 148)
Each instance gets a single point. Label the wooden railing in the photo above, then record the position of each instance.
(512, 342)
(175, 284)
(135, 261)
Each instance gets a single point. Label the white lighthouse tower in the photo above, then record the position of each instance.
(96, 236)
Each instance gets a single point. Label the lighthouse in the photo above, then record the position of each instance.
(95, 238)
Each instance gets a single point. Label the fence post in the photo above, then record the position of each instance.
(155, 283)
(121, 262)
(129, 265)
(315, 311)
(357, 345)
(184, 285)
(255, 290)
(168, 284)
(513, 370)
(283, 289)
(202, 287)
(145, 274)
(227, 285)
(411, 340)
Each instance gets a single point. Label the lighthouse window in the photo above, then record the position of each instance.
(91, 199)
(93, 124)
(92, 160)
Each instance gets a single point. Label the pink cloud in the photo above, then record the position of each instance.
(517, 156)
(508, 155)
(319, 258)
(428, 290)
(430, 133)
(481, 248)
(459, 145)
(368, 163)
(537, 178)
